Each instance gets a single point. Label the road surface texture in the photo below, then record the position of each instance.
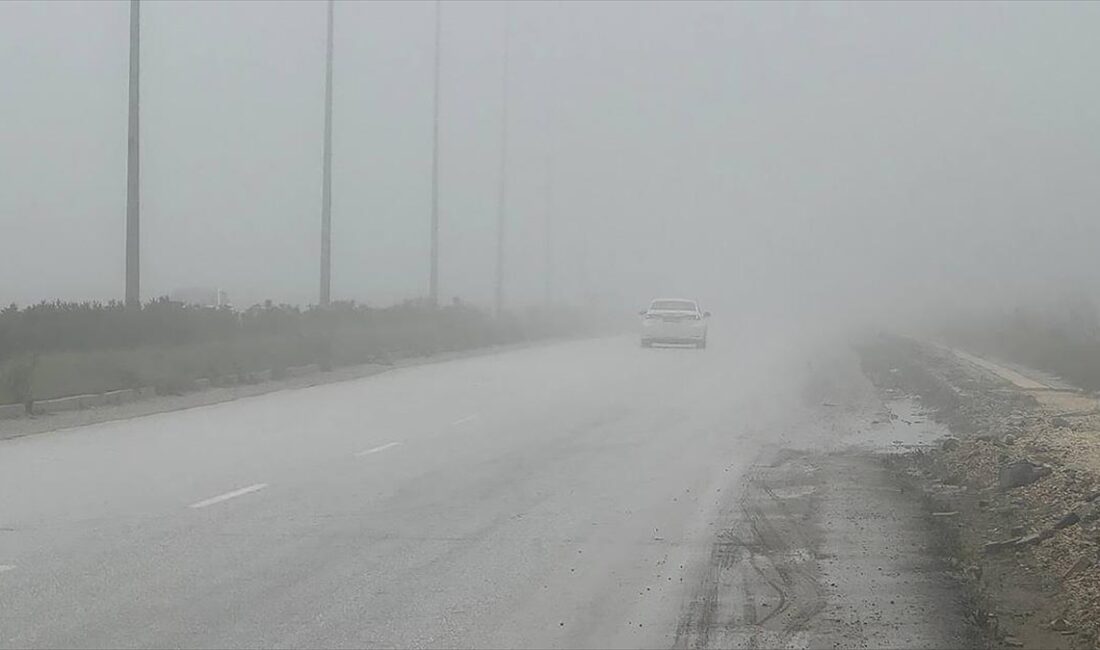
(586, 493)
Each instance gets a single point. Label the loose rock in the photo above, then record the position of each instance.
(1082, 563)
(995, 547)
(1021, 473)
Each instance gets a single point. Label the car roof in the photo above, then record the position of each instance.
(675, 300)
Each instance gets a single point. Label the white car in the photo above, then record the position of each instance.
(675, 321)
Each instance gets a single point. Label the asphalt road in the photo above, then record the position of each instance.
(557, 496)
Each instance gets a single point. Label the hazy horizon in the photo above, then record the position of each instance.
(838, 158)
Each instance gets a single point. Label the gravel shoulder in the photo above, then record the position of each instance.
(1018, 486)
(823, 547)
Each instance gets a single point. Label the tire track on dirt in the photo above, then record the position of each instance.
(761, 560)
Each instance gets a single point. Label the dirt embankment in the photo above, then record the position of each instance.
(1016, 491)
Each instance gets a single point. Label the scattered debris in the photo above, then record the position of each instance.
(994, 547)
(1060, 625)
(1031, 473)
(1035, 538)
(1082, 563)
(1021, 473)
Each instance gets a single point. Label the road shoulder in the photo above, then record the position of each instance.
(824, 547)
(1021, 475)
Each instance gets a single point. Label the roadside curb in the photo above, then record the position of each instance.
(134, 403)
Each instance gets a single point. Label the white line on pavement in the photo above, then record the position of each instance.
(468, 418)
(377, 449)
(6, 567)
(229, 495)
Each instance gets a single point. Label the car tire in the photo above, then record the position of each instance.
(647, 344)
(702, 345)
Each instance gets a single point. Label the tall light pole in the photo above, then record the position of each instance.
(433, 281)
(133, 166)
(548, 233)
(502, 190)
(326, 180)
(551, 133)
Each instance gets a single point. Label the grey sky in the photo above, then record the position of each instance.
(802, 153)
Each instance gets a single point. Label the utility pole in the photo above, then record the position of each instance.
(551, 132)
(326, 180)
(433, 281)
(548, 232)
(502, 195)
(133, 165)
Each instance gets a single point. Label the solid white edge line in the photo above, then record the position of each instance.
(468, 418)
(375, 450)
(6, 567)
(229, 495)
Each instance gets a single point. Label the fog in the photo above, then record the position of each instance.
(862, 159)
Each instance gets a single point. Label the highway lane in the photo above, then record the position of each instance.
(559, 495)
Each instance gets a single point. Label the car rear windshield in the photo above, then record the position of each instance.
(680, 305)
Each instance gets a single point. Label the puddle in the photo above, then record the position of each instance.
(903, 426)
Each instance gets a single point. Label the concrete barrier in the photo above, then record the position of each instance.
(120, 396)
(12, 411)
(201, 384)
(300, 371)
(60, 404)
(91, 401)
(262, 375)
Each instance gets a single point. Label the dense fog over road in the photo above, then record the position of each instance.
(829, 157)
(335, 323)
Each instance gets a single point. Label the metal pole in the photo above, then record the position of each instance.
(548, 233)
(133, 165)
(433, 282)
(326, 181)
(502, 196)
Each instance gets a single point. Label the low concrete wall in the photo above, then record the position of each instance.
(60, 404)
(91, 401)
(299, 371)
(12, 411)
(116, 397)
(120, 396)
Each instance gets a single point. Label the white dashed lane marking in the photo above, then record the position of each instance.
(229, 495)
(375, 450)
